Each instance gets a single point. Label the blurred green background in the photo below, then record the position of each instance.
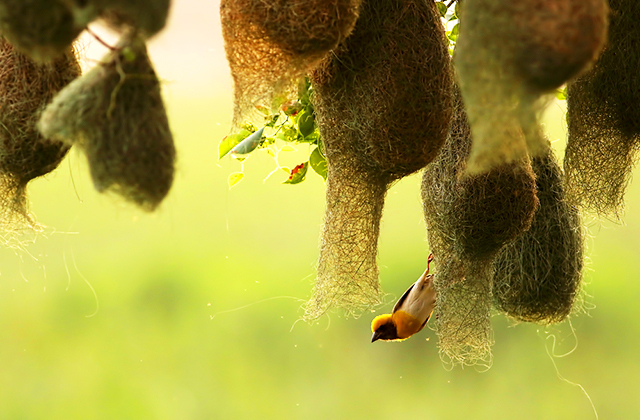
(161, 347)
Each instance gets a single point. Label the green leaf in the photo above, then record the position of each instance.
(318, 163)
(456, 10)
(561, 94)
(442, 8)
(128, 54)
(234, 178)
(304, 91)
(298, 174)
(248, 145)
(453, 35)
(231, 141)
(306, 123)
(291, 108)
(263, 110)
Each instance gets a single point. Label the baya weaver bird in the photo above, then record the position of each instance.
(410, 313)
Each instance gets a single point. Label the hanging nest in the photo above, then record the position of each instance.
(510, 53)
(272, 43)
(604, 119)
(25, 88)
(537, 276)
(148, 17)
(115, 114)
(383, 105)
(469, 219)
(44, 29)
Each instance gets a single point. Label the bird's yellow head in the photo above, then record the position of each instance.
(384, 328)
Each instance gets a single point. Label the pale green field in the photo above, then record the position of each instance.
(153, 351)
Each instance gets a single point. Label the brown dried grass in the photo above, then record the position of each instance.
(604, 119)
(25, 88)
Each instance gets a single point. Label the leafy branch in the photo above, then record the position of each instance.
(292, 123)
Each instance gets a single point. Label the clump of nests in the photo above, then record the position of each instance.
(470, 218)
(25, 88)
(383, 105)
(114, 112)
(508, 55)
(270, 44)
(45, 29)
(537, 276)
(604, 119)
(116, 115)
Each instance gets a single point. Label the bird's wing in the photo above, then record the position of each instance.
(402, 299)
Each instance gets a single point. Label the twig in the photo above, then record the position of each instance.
(100, 40)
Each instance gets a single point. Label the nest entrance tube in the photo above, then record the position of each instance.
(604, 119)
(347, 268)
(469, 219)
(383, 104)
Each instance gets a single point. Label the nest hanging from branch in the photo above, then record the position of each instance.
(383, 105)
(469, 220)
(508, 55)
(537, 277)
(604, 119)
(44, 29)
(116, 115)
(270, 44)
(148, 17)
(25, 88)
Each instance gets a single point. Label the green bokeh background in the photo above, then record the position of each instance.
(161, 347)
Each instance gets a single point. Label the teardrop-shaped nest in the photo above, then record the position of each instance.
(116, 115)
(508, 55)
(537, 277)
(383, 104)
(469, 220)
(270, 44)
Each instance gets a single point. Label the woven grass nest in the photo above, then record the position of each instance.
(26, 86)
(604, 119)
(383, 104)
(509, 54)
(116, 116)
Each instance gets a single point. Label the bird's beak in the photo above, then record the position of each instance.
(376, 336)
